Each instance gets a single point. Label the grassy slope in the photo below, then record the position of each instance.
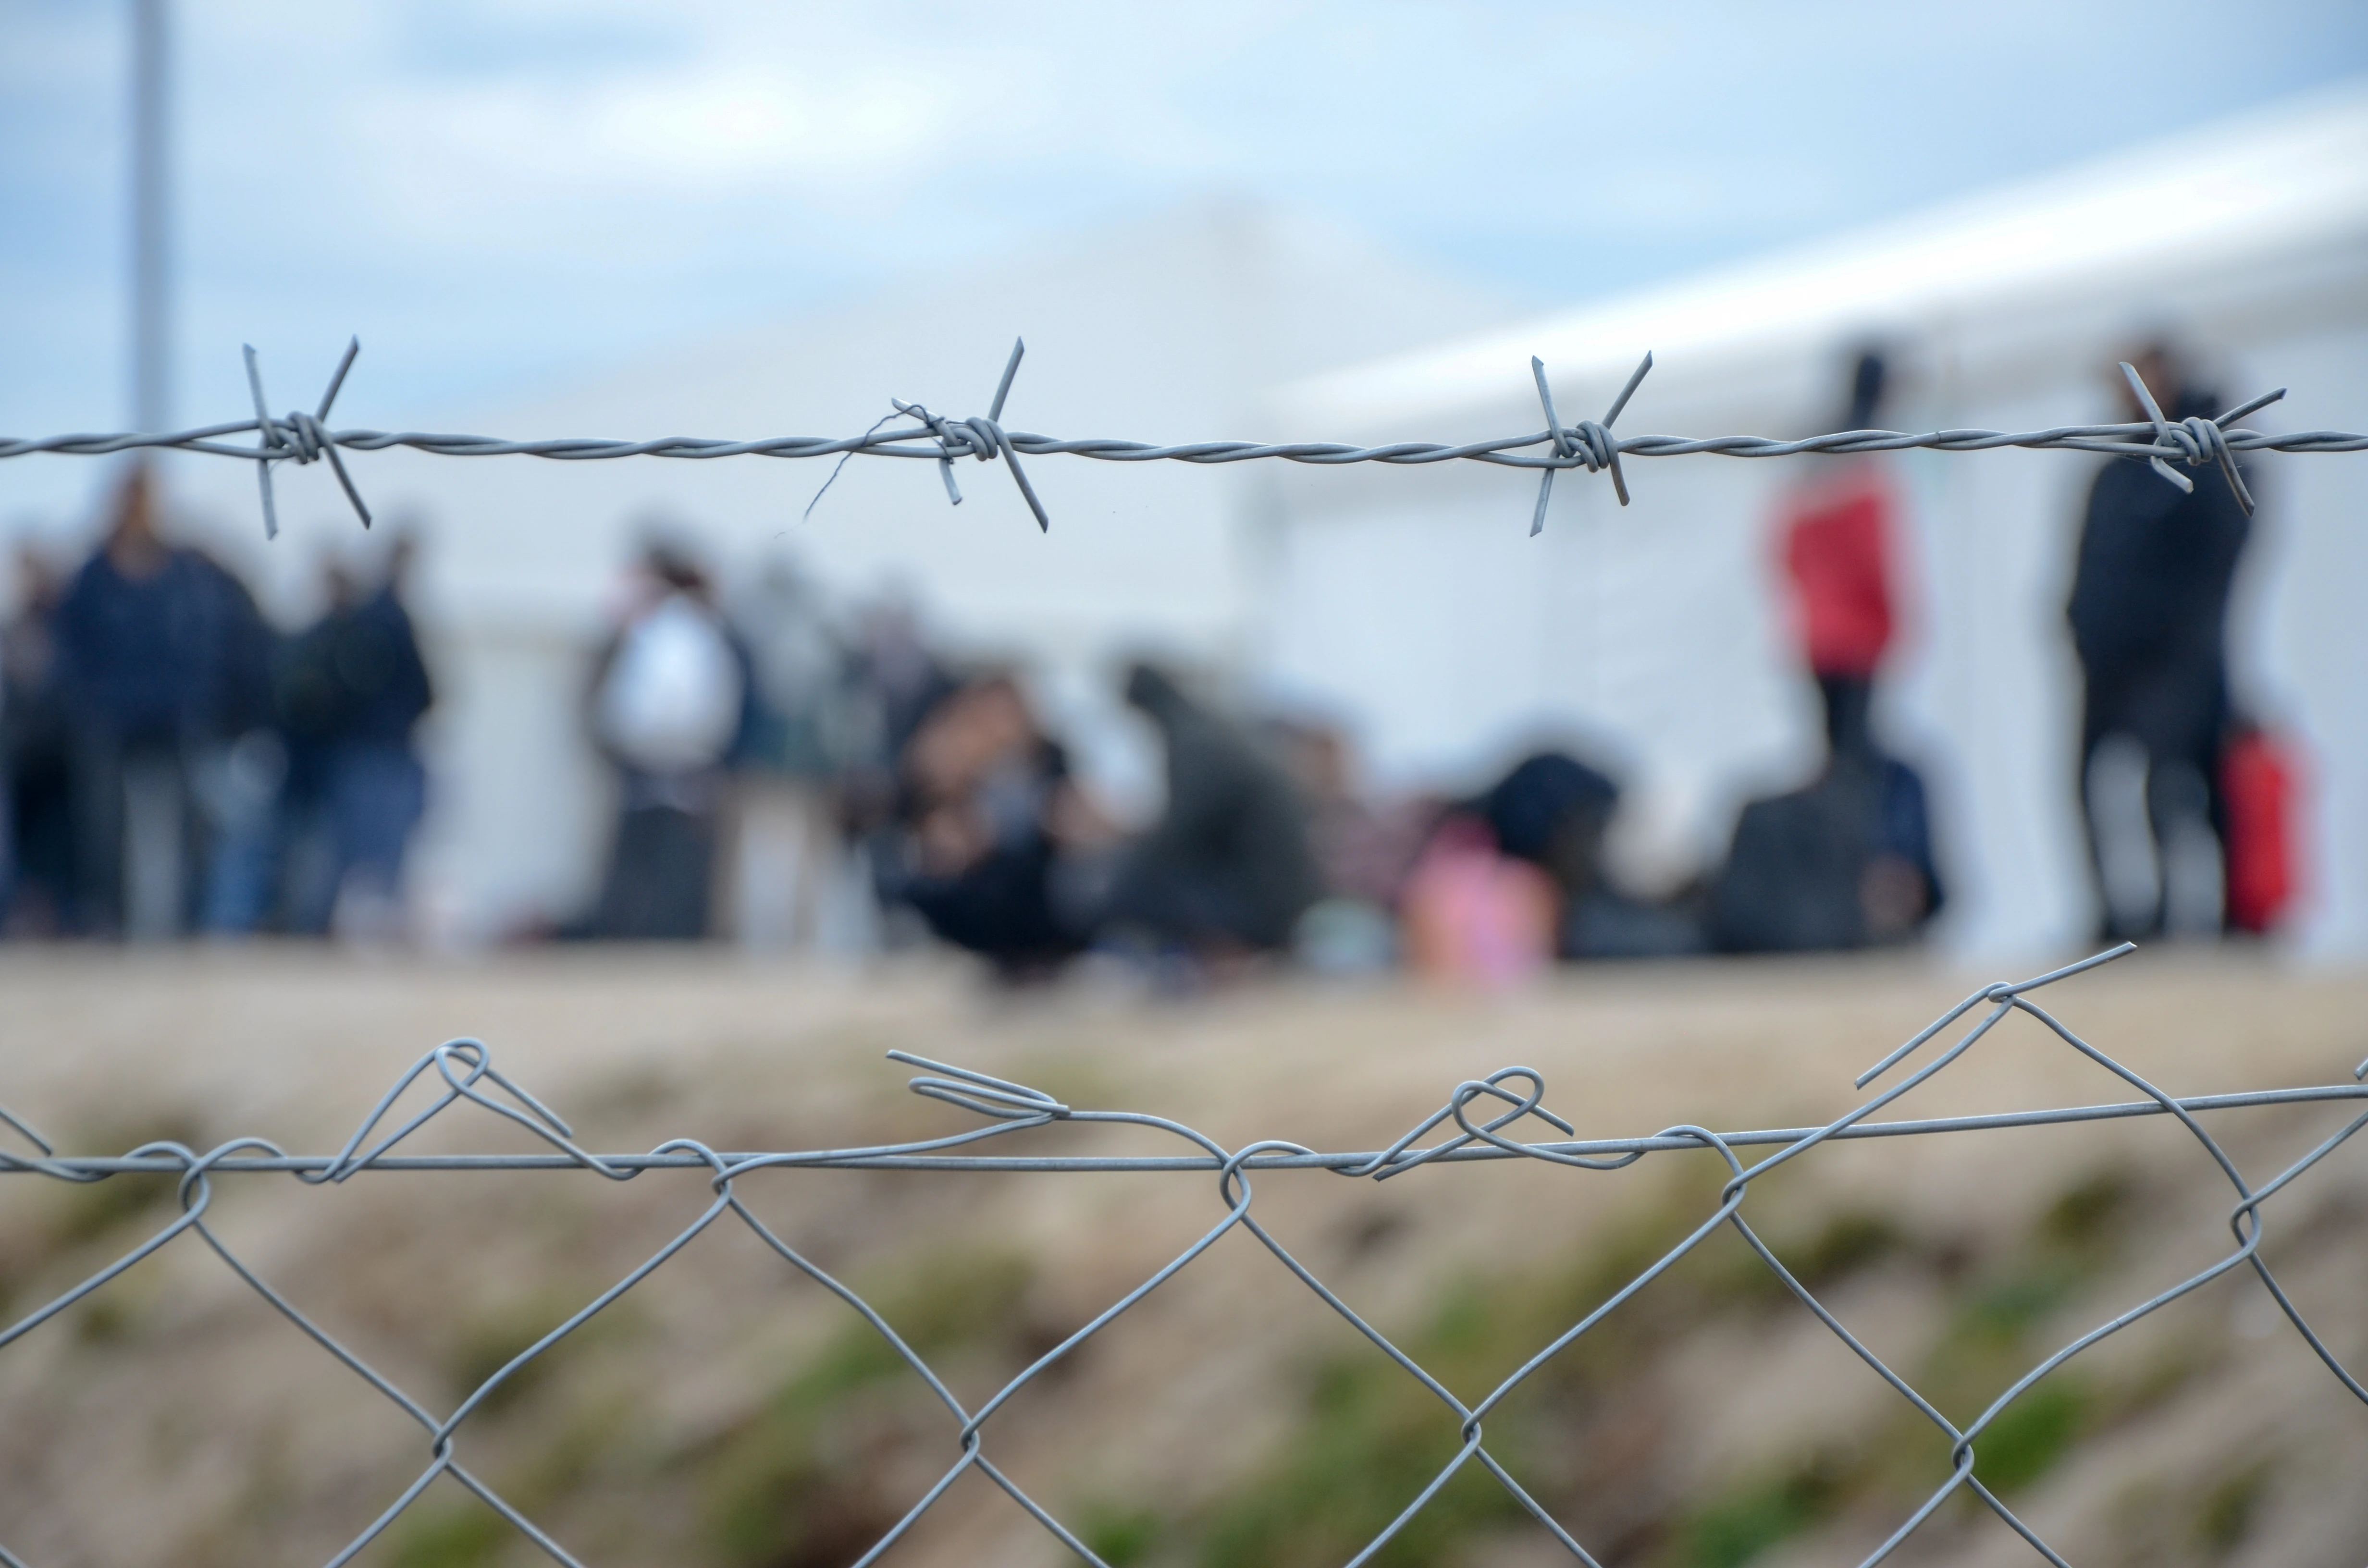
(730, 1412)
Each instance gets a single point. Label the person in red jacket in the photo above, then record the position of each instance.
(1837, 528)
(1847, 860)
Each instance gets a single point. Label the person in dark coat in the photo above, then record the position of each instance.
(1845, 862)
(352, 688)
(1229, 865)
(161, 657)
(2149, 614)
(37, 867)
(988, 812)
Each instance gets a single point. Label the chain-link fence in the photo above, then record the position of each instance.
(1479, 1122)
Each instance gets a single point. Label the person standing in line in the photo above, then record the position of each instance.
(1846, 861)
(37, 868)
(160, 653)
(352, 689)
(377, 789)
(1838, 527)
(2149, 614)
(784, 860)
(893, 680)
(670, 700)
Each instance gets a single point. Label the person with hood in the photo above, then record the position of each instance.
(2149, 614)
(1228, 868)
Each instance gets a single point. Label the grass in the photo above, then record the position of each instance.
(1120, 1535)
(797, 1485)
(824, 1464)
(1738, 1527)
(462, 1533)
(1370, 1437)
(2031, 1434)
(2231, 1507)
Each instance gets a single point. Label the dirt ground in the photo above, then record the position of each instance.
(729, 1411)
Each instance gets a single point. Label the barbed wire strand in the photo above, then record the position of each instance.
(298, 438)
(463, 1070)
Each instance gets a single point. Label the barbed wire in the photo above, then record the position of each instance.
(464, 1070)
(300, 438)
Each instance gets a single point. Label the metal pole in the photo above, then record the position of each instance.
(150, 257)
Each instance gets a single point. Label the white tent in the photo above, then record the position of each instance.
(1413, 601)
(1173, 331)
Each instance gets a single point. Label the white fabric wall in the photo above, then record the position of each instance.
(1172, 331)
(1655, 636)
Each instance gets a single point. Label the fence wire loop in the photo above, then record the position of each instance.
(934, 438)
(979, 1091)
(462, 1070)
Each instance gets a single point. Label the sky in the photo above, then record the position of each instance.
(497, 193)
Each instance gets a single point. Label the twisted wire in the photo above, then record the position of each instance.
(464, 1071)
(2167, 445)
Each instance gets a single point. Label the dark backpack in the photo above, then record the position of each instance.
(1791, 882)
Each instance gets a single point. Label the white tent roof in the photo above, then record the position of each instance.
(2280, 186)
(1171, 330)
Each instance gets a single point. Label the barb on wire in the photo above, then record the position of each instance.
(298, 438)
(1588, 441)
(982, 439)
(2203, 440)
(464, 1069)
(301, 438)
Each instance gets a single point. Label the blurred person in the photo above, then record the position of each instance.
(161, 654)
(1364, 849)
(1474, 915)
(2149, 614)
(37, 850)
(1846, 861)
(352, 689)
(670, 694)
(893, 679)
(1228, 869)
(1554, 811)
(1363, 845)
(990, 810)
(1828, 866)
(1838, 525)
(783, 860)
(901, 678)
